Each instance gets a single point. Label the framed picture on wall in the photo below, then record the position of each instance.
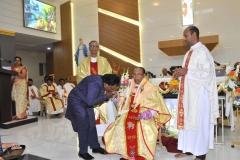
(39, 15)
(187, 12)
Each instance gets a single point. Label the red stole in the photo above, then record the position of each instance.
(180, 119)
(131, 130)
(33, 93)
(93, 68)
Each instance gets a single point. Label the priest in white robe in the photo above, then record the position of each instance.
(62, 92)
(68, 85)
(34, 103)
(197, 100)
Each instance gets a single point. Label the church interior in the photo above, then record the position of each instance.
(130, 33)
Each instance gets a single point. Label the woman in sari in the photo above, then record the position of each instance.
(20, 89)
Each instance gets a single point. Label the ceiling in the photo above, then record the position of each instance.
(31, 43)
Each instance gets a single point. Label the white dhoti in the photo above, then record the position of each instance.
(112, 113)
(199, 141)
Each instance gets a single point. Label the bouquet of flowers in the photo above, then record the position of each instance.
(230, 84)
(231, 80)
(115, 68)
(164, 86)
(174, 86)
(124, 81)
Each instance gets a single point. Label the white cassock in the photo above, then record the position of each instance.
(62, 95)
(200, 102)
(68, 87)
(34, 103)
(112, 114)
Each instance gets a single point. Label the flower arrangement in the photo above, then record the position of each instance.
(174, 86)
(115, 68)
(230, 83)
(164, 86)
(236, 99)
(124, 81)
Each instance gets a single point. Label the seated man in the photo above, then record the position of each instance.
(165, 73)
(62, 92)
(50, 98)
(68, 85)
(142, 110)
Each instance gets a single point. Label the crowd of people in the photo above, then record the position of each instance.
(128, 122)
(29, 100)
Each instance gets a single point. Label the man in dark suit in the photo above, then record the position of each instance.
(88, 93)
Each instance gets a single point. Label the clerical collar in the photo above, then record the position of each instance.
(196, 45)
(93, 59)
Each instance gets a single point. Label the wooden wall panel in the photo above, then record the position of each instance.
(49, 63)
(127, 8)
(62, 51)
(119, 36)
(118, 61)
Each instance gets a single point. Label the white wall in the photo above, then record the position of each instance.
(161, 19)
(31, 60)
(11, 18)
(85, 23)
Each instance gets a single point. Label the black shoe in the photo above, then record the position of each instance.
(103, 140)
(85, 156)
(122, 159)
(99, 150)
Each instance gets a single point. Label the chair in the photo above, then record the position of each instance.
(238, 117)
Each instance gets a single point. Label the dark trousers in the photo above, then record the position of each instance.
(87, 137)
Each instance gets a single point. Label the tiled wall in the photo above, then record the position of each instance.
(161, 20)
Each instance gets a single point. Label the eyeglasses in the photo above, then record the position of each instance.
(136, 75)
(94, 46)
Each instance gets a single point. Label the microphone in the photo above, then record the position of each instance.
(5, 60)
(218, 64)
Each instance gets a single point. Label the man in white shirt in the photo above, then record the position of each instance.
(197, 100)
(165, 73)
(33, 98)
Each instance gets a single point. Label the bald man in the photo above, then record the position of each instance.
(165, 73)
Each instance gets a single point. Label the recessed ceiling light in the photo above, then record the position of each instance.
(156, 4)
(198, 3)
(171, 36)
(48, 48)
(150, 59)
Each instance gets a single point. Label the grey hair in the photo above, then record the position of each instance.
(92, 42)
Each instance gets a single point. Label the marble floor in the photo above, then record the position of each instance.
(54, 139)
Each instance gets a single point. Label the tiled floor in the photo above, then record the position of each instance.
(54, 139)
